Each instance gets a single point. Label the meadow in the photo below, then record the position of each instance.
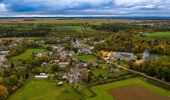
(87, 58)
(44, 89)
(26, 55)
(160, 34)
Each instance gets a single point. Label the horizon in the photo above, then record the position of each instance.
(54, 8)
(89, 16)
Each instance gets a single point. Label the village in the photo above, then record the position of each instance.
(71, 68)
(84, 61)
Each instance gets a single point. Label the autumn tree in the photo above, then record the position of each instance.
(3, 92)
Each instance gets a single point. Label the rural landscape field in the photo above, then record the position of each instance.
(84, 50)
(67, 60)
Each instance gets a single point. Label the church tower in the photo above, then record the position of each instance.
(145, 54)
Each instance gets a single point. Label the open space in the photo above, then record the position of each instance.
(160, 34)
(63, 20)
(87, 58)
(26, 55)
(43, 89)
(135, 92)
(104, 95)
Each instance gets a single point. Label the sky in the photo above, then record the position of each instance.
(52, 8)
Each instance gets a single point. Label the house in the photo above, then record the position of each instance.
(41, 76)
(44, 64)
(124, 56)
(81, 64)
(63, 64)
(4, 52)
(65, 76)
(56, 61)
(2, 58)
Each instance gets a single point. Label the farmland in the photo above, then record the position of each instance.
(82, 55)
(63, 21)
(135, 92)
(104, 95)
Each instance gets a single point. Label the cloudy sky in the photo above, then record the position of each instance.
(30, 8)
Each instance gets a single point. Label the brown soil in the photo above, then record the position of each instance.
(14, 39)
(135, 92)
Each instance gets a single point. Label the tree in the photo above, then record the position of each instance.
(55, 68)
(89, 66)
(3, 92)
(50, 48)
(85, 77)
(1, 80)
(12, 80)
(12, 65)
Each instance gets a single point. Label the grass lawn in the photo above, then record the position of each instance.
(104, 66)
(87, 58)
(75, 28)
(85, 92)
(102, 94)
(103, 72)
(160, 34)
(44, 90)
(26, 55)
(107, 73)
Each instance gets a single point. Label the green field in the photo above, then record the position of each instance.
(160, 34)
(44, 90)
(26, 55)
(107, 73)
(75, 28)
(103, 72)
(102, 94)
(87, 58)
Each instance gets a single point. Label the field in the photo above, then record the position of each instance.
(63, 21)
(160, 34)
(104, 95)
(107, 73)
(13, 38)
(87, 58)
(76, 28)
(135, 92)
(26, 55)
(44, 90)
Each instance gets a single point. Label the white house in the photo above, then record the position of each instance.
(41, 76)
(63, 64)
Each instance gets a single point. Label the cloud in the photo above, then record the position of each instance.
(84, 7)
(135, 2)
(3, 8)
(53, 5)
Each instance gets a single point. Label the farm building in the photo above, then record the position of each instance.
(123, 56)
